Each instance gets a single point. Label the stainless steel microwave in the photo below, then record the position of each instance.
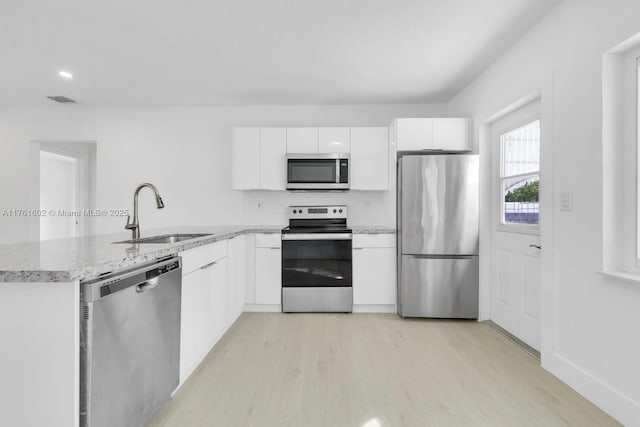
(318, 171)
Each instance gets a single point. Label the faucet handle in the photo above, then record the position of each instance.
(129, 226)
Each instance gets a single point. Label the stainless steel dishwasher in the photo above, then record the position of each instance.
(129, 344)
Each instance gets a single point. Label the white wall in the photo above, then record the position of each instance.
(185, 152)
(591, 335)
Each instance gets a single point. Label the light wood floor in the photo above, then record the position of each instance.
(373, 370)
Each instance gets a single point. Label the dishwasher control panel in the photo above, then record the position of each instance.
(162, 269)
(110, 283)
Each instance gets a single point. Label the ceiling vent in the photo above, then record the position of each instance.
(61, 99)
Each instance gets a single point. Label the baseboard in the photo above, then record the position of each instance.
(264, 308)
(374, 308)
(616, 404)
(357, 308)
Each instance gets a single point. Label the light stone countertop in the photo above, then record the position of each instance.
(66, 260)
(373, 229)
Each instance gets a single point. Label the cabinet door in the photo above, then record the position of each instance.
(217, 303)
(451, 134)
(236, 278)
(273, 164)
(369, 158)
(333, 140)
(374, 276)
(193, 322)
(268, 275)
(246, 158)
(302, 140)
(250, 269)
(414, 134)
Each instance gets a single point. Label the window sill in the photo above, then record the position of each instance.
(519, 228)
(622, 275)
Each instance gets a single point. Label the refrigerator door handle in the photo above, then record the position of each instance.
(421, 256)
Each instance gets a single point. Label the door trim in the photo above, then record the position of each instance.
(543, 89)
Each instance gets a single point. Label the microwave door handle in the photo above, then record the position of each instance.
(337, 181)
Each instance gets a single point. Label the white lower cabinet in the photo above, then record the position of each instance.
(237, 278)
(217, 315)
(268, 269)
(203, 304)
(374, 269)
(193, 324)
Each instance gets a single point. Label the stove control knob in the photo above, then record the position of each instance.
(340, 211)
(294, 211)
(334, 211)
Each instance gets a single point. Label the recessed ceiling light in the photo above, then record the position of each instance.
(65, 74)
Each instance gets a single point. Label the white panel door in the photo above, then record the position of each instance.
(374, 275)
(246, 158)
(414, 134)
(273, 164)
(302, 140)
(516, 304)
(515, 253)
(369, 161)
(268, 275)
(333, 140)
(451, 134)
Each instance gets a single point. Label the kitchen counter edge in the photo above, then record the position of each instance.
(158, 251)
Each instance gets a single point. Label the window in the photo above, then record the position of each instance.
(520, 174)
(621, 161)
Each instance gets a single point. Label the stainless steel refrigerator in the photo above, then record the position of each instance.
(437, 235)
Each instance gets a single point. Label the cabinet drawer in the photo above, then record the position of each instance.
(374, 240)
(193, 259)
(268, 240)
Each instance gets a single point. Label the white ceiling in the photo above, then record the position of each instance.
(199, 52)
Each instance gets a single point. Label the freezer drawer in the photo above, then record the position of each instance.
(439, 287)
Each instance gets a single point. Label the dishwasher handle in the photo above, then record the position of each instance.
(149, 284)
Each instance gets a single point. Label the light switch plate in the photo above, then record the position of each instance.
(566, 201)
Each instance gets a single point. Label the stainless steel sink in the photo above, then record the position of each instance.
(166, 238)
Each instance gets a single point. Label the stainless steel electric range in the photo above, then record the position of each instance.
(316, 260)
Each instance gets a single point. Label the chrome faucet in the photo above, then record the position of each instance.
(135, 225)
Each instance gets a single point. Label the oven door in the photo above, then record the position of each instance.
(316, 260)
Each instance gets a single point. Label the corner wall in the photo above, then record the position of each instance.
(590, 324)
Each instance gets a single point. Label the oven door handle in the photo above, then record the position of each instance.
(317, 236)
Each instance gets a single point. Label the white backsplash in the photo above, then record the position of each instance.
(365, 207)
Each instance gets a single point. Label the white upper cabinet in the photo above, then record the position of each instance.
(369, 158)
(273, 163)
(333, 140)
(259, 154)
(414, 134)
(259, 158)
(451, 133)
(302, 140)
(246, 158)
(438, 134)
